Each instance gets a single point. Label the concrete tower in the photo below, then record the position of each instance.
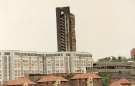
(66, 40)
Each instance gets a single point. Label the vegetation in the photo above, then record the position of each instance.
(105, 78)
(132, 58)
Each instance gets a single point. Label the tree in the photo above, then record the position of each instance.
(119, 58)
(113, 58)
(133, 58)
(105, 78)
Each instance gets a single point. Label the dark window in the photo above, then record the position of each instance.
(7, 53)
(67, 54)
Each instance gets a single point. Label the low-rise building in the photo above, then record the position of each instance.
(120, 82)
(51, 80)
(116, 69)
(21, 81)
(86, 79)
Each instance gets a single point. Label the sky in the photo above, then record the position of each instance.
(103, 27)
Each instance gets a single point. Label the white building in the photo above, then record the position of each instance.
(18, 63)
(67, 62)
(14, 64)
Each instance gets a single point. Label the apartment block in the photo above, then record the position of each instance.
(68, 62)
(66, 39)
(14, 64)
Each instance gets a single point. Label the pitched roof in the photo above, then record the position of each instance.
(85, 75)
(120, 82)
(115, 84)
(124, 81)
(51, 78)
(19, 81)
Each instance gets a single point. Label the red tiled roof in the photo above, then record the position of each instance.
(124, 81)
(115, 84)
(51, 78)
(120, 82)
(85, 75)
(19, 81)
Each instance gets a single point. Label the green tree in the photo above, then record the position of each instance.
(113, 58)
(133, 58)
(105, 78)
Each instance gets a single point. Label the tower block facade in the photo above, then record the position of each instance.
(66, 39)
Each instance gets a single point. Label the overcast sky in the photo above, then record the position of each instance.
(103, 27)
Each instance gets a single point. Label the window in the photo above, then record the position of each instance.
(7, 53)
(67, 54)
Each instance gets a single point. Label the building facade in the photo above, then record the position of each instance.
(18, 63)
(14, 64)
(115, 69)
(68, 62)
(66, 40)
